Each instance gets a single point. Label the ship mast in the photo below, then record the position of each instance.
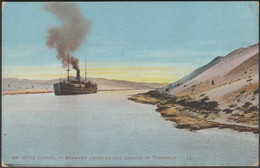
(68, 67)
(85, 70)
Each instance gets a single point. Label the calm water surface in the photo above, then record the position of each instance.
(106, 129)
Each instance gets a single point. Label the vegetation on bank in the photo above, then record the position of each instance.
(186, 112)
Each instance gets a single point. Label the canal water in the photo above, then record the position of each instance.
(106, 129)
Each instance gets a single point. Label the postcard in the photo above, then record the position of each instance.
(114, 84)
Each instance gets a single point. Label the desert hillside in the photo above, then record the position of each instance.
(226, 90)
(232, 82)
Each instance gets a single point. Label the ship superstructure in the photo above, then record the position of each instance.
(76, 86)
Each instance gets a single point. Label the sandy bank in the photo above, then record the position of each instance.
(13, 92)
(189, 115)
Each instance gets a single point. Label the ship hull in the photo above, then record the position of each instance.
(69, 89)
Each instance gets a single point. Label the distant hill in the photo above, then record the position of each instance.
(103, 84)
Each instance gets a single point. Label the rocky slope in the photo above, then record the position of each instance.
(223, 92)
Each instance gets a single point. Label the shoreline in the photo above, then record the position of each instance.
(14, 92)
(185, 117)
(169, 110)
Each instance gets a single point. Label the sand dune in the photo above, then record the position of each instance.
(225, 91)
(217, 71)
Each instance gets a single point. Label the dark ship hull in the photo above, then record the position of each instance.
(71, 89)
(74, 87)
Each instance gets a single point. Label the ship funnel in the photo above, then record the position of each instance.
(78, 75)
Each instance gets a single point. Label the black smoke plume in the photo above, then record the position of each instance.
(72, 32)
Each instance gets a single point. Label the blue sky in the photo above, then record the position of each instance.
(134, 33)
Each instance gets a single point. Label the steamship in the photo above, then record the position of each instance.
(76, 86)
